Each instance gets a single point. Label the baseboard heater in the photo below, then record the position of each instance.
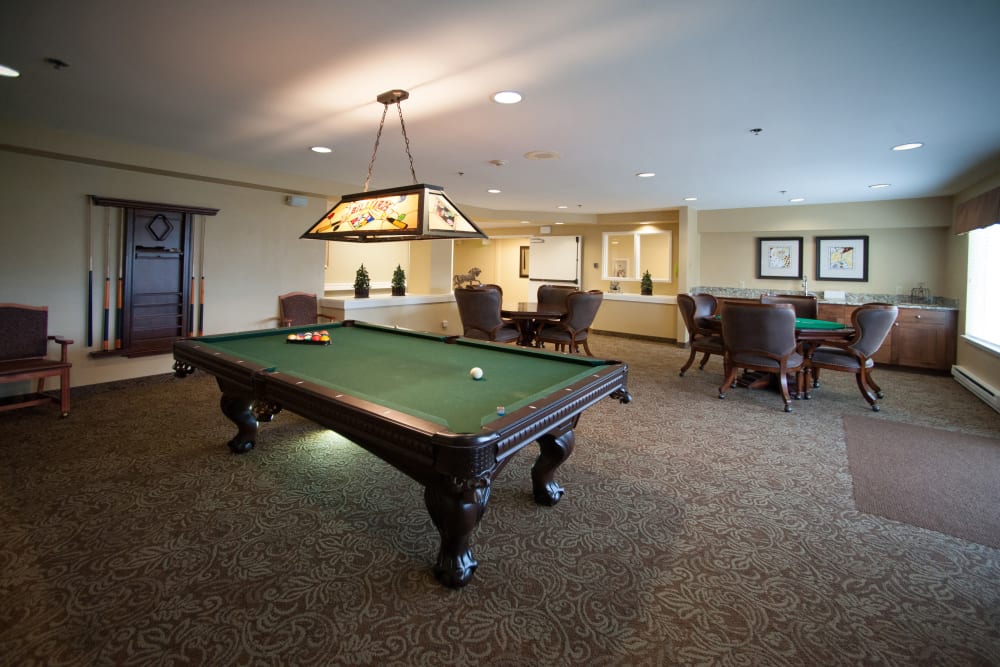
(981, 389)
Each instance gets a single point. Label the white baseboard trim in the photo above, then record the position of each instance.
(983, 390)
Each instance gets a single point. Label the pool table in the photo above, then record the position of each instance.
(408, 398)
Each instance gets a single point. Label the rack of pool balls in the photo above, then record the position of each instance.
(309, 338)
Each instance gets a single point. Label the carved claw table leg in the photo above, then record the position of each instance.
(456, 508)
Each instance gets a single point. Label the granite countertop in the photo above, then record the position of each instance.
(901, 304)
(850, 298)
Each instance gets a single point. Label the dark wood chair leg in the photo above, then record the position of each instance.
(729, 381)
(869, 396)
(871, 383)
(690, 361)
(783, 383)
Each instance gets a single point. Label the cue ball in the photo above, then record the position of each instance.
(476, 373)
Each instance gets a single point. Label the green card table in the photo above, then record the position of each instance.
(805, 329)
(812, 330)
(408, 398)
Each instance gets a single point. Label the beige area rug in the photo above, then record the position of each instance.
(927, 477)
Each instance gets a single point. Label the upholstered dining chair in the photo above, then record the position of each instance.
(554, 295)
(479, 310)
(572, 330)
(805, 306)
(695, 308)
(872, 322)
(297, 308)
(761, 337)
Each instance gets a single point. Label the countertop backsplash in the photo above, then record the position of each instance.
(850, 298)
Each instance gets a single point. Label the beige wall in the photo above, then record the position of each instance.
(499, 260)
(908, 244)
(252, 248)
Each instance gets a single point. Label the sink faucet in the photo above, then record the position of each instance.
(805, 285)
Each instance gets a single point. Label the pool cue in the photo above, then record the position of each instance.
(120, 314)
(191, 307)
(90, 274)
(107, 280)
(201, 283)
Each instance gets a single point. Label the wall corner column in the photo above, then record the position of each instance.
(688, 259)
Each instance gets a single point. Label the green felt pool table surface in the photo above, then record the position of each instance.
(413, 372)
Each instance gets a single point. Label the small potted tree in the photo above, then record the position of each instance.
(399, 281)
(362, 283)
(646, 284)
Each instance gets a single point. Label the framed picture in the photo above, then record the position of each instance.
(842, 258)
(779, 258)
(619, 268)
(523, 266)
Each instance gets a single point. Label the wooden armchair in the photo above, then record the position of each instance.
(571, 331)
(554, 296)
(297, 308)
(872, 322)
(479, 309)
(24, 345)
(694, 309)
(805, 306)
(761, 337)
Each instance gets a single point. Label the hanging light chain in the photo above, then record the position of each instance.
(406, 139)
(371, 165)
(378, 137)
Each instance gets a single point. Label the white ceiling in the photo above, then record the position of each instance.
(614, 86)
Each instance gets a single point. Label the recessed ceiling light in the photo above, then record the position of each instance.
(646, 174)
(493, 191)
(796, 200)
(507, 97)
(526, 222)
(878, 186)
(907, 147)
(690, 199)
(321, 149)
(9, 72)
(560, 223)
(562, 206)
(542, 155)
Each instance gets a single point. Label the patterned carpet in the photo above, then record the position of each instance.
(694, 531)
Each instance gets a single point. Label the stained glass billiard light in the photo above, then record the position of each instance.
(410, 213)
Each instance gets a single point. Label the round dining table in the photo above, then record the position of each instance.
(529, 316)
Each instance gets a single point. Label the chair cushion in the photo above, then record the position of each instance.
(831, 356)
(740, 358)
(708, 344)
(503, 334)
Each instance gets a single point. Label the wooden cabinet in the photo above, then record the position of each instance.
(924, 338)
(155, 305)
(833, 312)
(920, 338)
